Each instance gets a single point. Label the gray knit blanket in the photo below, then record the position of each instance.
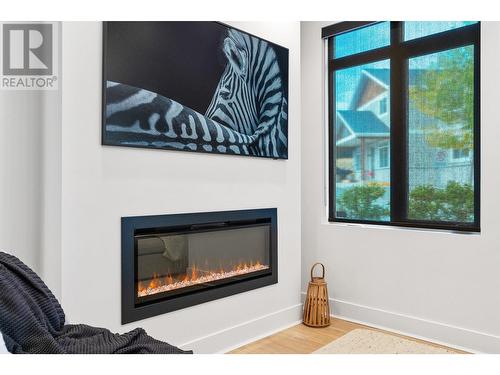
(32, 321)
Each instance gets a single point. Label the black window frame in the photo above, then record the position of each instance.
(399, 52)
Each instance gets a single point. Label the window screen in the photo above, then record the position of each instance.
(404, 123)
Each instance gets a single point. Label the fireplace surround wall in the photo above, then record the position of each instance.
(170, 262)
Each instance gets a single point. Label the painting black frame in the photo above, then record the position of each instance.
(103, 93)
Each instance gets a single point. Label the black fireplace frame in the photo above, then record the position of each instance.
(131, 311)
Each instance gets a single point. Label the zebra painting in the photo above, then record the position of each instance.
(246, 115)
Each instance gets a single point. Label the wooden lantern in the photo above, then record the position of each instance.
(316, 306)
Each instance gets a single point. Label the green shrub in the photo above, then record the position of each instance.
(359, 202)
(453, 203)
(425, 203)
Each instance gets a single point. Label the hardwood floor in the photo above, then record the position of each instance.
(301, 339)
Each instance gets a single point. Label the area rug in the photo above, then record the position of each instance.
(364, 341)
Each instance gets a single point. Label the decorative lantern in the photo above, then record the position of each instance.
(316, 306)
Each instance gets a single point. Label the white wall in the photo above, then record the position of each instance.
(49, 246)
(438, 285)
(20, 174)
(102, 184)
(30, 158)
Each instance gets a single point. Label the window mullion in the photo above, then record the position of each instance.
(398, 107)
(477, 121)
(331, 135)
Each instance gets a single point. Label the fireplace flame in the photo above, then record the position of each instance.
(154, 283)
(194, 276)
(168, 280)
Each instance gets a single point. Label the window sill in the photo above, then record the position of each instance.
(398, 228)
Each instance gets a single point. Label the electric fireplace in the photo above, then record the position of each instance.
(170, 262)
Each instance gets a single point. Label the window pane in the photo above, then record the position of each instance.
(362, 133)
(418, 29)
(383, 161)
(361, 40)
(440, 136)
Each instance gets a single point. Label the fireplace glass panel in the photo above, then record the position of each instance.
(170, 263)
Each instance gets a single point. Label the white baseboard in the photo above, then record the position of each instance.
(233, 337)
(436, 332)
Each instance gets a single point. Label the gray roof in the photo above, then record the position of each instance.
(364, 122)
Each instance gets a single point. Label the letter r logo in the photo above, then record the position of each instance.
(27, 49)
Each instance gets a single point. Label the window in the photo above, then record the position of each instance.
(382, 109)
(459, 154)
(404, 123)
(383, 156)
(356, 163)
(365, 39)
(418, 29)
